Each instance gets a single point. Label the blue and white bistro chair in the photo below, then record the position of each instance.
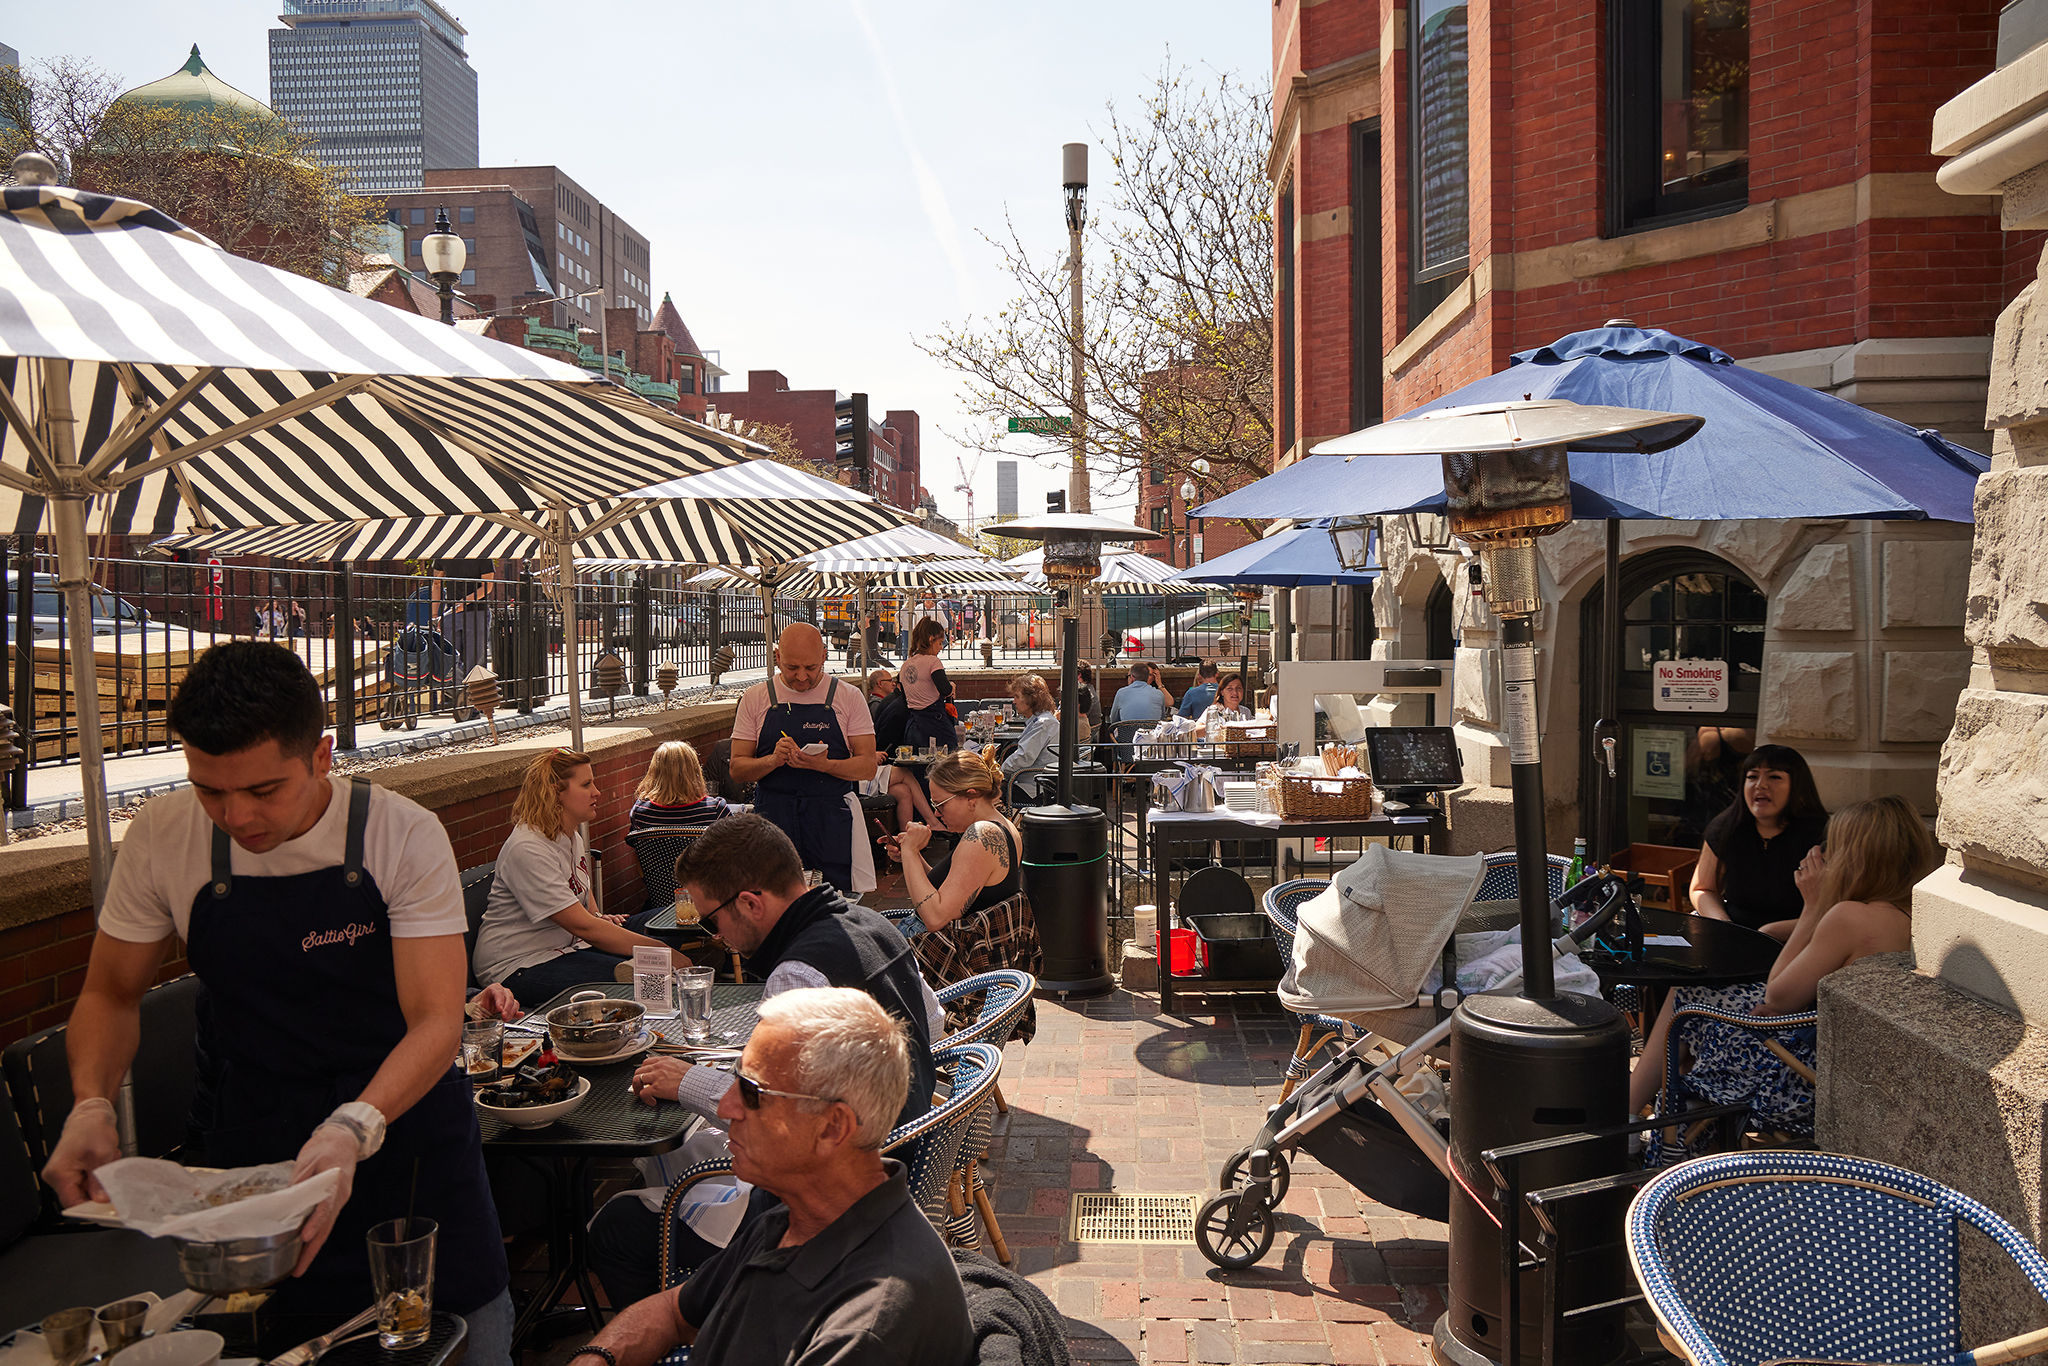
(1005, 996)
(1779, 1255)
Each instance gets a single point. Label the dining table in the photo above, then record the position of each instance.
(610, 1123)
(1708, 953)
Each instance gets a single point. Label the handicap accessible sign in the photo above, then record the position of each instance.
(1689, 685)
(1658, 767)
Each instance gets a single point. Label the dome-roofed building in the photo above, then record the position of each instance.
(193, 87)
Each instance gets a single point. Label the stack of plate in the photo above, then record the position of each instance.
(1241, 796)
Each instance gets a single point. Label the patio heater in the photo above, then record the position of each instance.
(1066, 846)
(1541, 1064)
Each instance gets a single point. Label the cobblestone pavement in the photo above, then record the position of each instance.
(1112, 1096)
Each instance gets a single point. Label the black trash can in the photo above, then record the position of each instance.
(1066, 875)
(521, 666)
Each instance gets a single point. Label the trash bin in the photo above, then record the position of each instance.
(1066, 875)
(522, 672)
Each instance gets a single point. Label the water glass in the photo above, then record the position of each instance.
(693, 1002)
(483, 1049)
(402, 1274)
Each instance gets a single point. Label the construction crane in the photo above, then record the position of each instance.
(966, 486)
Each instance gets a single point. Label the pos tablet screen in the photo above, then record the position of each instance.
(1414, 756)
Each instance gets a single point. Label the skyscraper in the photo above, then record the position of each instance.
(383, 85)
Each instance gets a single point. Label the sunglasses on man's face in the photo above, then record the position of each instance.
(751, 1091)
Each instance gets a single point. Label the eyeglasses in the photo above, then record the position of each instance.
(937, 807)
(706, 917)
(751, 1092)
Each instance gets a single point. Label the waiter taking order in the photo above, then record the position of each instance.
(806, 794)
(325, 918)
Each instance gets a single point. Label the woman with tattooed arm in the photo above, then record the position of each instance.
(971, 909)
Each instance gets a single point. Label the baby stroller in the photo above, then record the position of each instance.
(420, 673)
(1380, 1121)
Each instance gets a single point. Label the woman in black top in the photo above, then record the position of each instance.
(1754, 847)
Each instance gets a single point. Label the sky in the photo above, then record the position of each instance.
(811, 175)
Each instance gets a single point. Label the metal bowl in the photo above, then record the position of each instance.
(239, 1263)
(579, 1029)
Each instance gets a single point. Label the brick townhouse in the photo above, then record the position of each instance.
(1459, 181)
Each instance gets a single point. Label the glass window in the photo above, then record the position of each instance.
(469, 215)
(1442, 134)
(419, 215)
(1158, 517)
(1680, 72)
(469, 277)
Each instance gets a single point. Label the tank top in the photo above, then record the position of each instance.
(996, 892)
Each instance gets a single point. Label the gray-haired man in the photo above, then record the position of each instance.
(847, 1269)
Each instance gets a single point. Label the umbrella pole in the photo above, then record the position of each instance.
(74, 568)
(1607, 840)
(565, 587)
(860, 626)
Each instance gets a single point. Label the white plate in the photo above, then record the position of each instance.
(643, 1042)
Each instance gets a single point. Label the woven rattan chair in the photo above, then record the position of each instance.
(1005, 995)
(928, 1146)
(1773, 1256)
(1781, 1101)
(1282, 905)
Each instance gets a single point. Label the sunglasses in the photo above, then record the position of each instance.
(751, 1092)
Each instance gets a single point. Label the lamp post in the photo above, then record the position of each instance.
(1065, 845)
(444, 255)
(1187, 500)
(1074, 180)
(1544, 1063)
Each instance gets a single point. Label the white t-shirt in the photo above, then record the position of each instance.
(167, 859)
(537, 878)
(847, 703)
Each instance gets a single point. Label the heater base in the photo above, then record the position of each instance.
(1446, 1350)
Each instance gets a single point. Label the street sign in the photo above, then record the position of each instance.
(1690, 685)
(1043, 426)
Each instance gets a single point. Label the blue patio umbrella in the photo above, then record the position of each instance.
(1770, 449)
(1301, 557)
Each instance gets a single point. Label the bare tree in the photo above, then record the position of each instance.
(243, 177)
(1178, 344)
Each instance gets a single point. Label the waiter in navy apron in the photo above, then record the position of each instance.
(805, 794)
(325, 919)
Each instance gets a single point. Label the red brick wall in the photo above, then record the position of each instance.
(768, 399)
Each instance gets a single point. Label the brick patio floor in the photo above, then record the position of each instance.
(1112, 1096)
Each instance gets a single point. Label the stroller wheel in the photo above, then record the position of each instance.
(1239, 1246)
(1237, 1171)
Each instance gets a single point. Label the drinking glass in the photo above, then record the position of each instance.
(686, 909)
(693, 1002)
(483, 1049)
(402, 1274)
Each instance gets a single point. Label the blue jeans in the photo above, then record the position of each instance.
(536, 985)
(490, 1333)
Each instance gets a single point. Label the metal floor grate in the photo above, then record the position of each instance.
(1106, 1217)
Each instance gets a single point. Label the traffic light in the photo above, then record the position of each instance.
(1056, 501)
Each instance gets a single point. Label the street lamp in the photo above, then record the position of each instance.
(1507, 481)
(1066, 846)
(1074, 181)
(1187, 500)
(444, 255)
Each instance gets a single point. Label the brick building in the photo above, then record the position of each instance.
(533, 233)
(828, 425)
(1456, 182)
(1161, 508)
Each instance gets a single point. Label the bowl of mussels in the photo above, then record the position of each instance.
(594, 1025)
(534, 1095)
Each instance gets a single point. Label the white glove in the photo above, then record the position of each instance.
(332, 1147)
(90, 1140)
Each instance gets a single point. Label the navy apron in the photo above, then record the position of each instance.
(302, 1009)
(808, 806)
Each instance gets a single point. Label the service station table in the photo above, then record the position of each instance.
(1168, 828)
(611, 1122)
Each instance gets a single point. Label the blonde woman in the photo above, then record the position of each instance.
(673, 796)
(971, 905)
(541, 932)
(1038, 747)
(1858, 895)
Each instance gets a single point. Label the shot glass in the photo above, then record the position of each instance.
(693, 1002)
(483, 1049)
(121, 1324)
(402, 1275)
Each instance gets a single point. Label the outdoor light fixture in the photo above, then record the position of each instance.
(1065, 846)
(1542, 1064)
(1352, 536)
(444, 255)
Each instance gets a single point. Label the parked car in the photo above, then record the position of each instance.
(1212, 632)
(111, 615)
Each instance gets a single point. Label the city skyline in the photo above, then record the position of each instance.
(810, 177)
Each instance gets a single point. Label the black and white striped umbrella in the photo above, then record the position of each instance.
(173, 387)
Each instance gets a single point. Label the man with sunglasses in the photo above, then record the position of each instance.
(747, 882)
(846, 1268)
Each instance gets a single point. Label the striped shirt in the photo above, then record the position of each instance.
(695, 815)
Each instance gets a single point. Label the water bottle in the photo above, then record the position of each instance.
(1577, 872)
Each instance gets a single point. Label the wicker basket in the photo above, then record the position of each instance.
(1311, 796)
(1250, 739)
